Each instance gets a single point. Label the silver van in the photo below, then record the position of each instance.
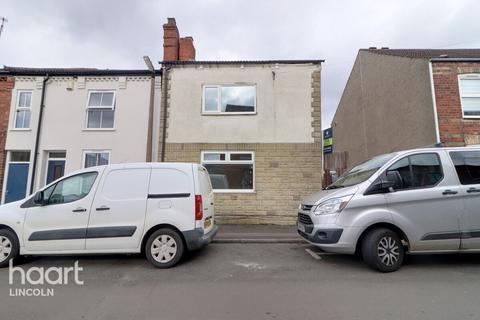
(415, 201)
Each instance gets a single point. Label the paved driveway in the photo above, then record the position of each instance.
(255, 281)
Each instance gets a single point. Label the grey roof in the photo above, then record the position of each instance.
(72, 71)
(240, 62)
(428, 53)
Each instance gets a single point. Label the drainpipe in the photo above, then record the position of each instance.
(434, 103)
(39, 128)
(164, 102)
(149, 64)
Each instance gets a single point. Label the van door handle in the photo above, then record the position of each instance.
(79, 210)
(103, 208)
(449, 192)
(473, 190)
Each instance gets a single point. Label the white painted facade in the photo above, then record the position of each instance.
(64, 124)
(283, 104)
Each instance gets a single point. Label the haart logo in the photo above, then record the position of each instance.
(36, 276)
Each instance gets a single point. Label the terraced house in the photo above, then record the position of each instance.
(406, 98)
(55, 121)
(255, 126)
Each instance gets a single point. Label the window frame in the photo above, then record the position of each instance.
(18, 108)
(54, 186)
(88, 107)
(219, 99)
(411, 170)
(85, 152)
(227, 161)
(467, 76)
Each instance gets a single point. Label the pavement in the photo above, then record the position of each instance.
(256, 233)
(230, 281)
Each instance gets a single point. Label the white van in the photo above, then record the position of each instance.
(161, 209)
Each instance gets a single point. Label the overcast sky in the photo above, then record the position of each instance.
(118, 33)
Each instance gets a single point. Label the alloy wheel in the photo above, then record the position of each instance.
(388, 251)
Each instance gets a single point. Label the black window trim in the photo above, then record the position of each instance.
(411, 170)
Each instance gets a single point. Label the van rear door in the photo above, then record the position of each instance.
(206, 191)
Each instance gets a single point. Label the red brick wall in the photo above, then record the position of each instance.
(6, 86)
(454, 130)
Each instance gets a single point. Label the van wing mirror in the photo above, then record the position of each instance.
(388, 183)
(39, 198)
(394, 179)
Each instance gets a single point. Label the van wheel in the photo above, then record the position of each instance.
(164, 248)
(382, 250)
(9, 248)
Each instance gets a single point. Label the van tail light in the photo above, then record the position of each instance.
(198, 208)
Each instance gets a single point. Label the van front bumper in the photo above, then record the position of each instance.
(196, 239)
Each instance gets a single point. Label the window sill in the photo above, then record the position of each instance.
(471, 117)
(20, 129)
(99, 129)
(233, 191)
(229, 113)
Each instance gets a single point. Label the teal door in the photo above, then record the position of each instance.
(17, 179)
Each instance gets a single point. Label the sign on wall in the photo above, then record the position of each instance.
(327, 141)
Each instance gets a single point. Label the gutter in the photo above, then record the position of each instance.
(39, 128)
(434, 102)
(164, 103)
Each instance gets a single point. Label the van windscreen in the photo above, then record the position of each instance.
(362, 171)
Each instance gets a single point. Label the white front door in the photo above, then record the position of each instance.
(118, 212)
(60, 224)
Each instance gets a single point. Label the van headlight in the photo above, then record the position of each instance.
(333, 205)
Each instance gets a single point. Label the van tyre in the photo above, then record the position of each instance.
(164, 248)
(9, 247)
(382, 249)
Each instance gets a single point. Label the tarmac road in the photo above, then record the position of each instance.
(253, 281)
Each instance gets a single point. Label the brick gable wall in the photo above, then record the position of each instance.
(454, 129)
(6, 87)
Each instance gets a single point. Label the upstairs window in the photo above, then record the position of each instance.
(470, 95)
(23, 110)
(229, 99)
(100, 109)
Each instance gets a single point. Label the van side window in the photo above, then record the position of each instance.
(467, 165)
(419, 170)
(72, 188)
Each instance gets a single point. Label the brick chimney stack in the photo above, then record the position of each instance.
(187, 50)
(174, 47)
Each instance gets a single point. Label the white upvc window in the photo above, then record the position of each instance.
(230, 171)
(92, 158)
(229, 99)
(23, 110)
(470, 95)
(100, 109)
